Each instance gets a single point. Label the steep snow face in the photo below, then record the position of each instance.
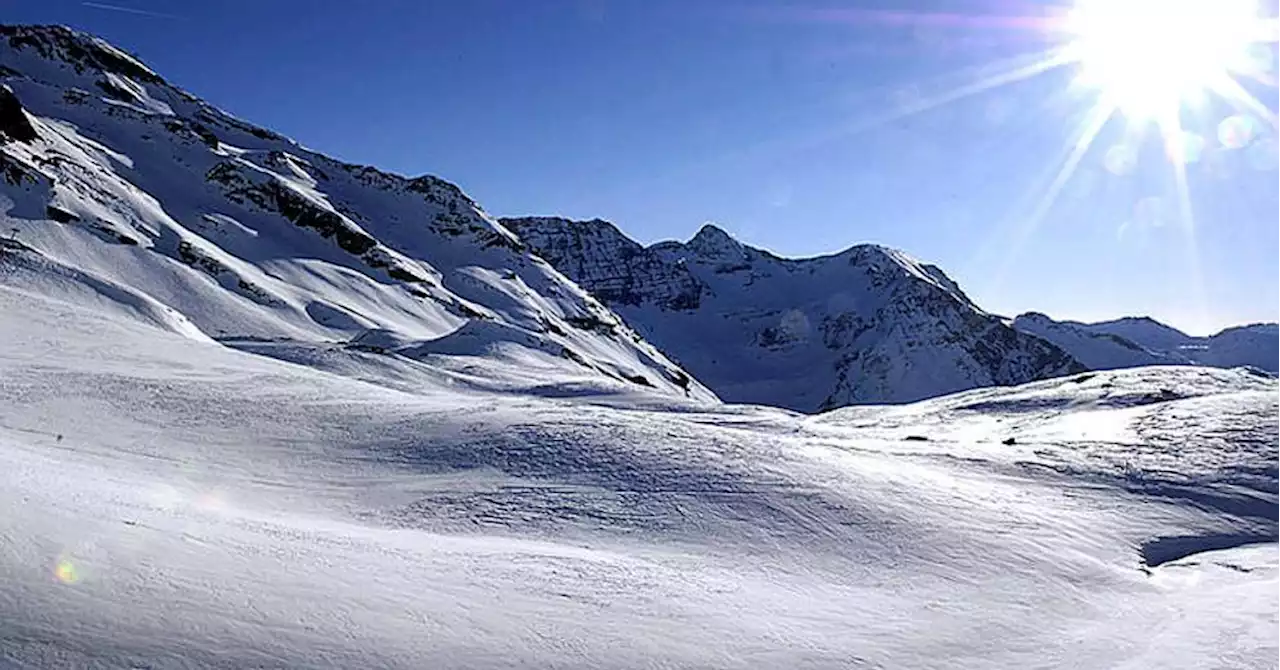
(1096, 350)
(867, 325)
(123, 193)
(1138, 341)
(167, 503)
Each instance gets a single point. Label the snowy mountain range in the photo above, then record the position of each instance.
(263, 408)
(1138, 341)
(867, 325)
(123, 193)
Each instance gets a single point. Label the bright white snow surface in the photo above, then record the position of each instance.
(167, 502)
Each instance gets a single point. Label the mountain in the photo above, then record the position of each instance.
(1138, 341)
(1142, 330)
(867, 325)
(1098, 350)
(121, 193)
(1257, 345)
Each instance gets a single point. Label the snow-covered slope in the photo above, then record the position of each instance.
(1137, 341)
(122, 193)
(171, 503)
(1256, 344)
(1097, 350)
(867, 325)
(1142, 330)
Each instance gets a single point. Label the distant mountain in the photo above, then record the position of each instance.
(1136, 341)
(867, 325)
(1097, 349)
(1257, 345)
(122, 193)
(1142, 330)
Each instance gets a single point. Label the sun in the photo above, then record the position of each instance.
(1149, 58)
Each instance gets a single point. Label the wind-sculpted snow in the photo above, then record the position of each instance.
(1186, 436)
(135, 196)
(173, 503)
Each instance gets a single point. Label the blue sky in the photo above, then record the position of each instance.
(794, 125)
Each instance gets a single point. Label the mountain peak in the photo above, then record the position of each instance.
(1137, 321)
(711, 232)
(79, 50)
(711, 240)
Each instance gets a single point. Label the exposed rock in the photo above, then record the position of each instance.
(60, 215)
(867, 325)
(82, 52)
(14, 124)
(614, 268)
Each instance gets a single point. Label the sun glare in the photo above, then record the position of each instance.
(1193, 69)
(1149, 58)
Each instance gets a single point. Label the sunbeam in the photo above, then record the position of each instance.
(998, 74)
(1231, 91)
(1149, 61)
(1050, 60)
(1074, 151)
(1098, 117)
(1187, 223)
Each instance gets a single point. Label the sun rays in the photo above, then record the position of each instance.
(1164, 69)
(1151, 57)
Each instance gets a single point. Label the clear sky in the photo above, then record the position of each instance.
(801, 127)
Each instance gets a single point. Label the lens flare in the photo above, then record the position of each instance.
(65, 571)
(1237, 131)
(1163, 67)
(1120, 160)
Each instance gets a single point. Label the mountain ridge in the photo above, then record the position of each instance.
(134, 196)
(1138, 341)
(868, 324)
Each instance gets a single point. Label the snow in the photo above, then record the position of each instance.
(1097, 350)
(1143, 330)
(227, 440)
(866, 325)
(1133, 342)
(1256, 345)
(173, 503)
(140, 199)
